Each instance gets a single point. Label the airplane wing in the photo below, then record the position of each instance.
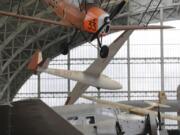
(35, 19)
(138, 27)
(97, 67)
(131, 109)
(77, 91)
(33, 117)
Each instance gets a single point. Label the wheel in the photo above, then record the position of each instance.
(65, 50)
(104, 51)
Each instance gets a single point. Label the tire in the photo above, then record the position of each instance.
(104, 51)
(65, 50)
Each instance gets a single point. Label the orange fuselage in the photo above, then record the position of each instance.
(89, 20)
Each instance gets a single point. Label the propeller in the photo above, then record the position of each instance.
(107, 20)
(117, 125)
(100, 29)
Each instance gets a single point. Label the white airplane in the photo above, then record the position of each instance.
(92, 119)
(134, 109)
(92, 76)
(33, 117)
(83, 119)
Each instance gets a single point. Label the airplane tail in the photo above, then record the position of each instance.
(37, 61)
(162, 97)
(161, 103)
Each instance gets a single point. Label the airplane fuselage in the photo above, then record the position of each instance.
(94, 119)
(84, 17)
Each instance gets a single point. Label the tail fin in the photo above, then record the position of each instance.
(37, 61)
(162, 97)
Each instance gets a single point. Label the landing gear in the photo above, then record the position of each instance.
(65, 49)
(104, 51)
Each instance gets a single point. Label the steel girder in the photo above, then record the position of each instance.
(138, 7)
(18, 41)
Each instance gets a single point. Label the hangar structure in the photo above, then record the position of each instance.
(19, 39)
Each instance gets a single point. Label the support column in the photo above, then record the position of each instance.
(8, 102)
(162, 48)
(128, 64)
(128, 70)
(39, 86)
(98, 89)
(69, 65)
(178, 99)
(69, 68)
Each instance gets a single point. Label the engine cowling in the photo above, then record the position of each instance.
(94, 19)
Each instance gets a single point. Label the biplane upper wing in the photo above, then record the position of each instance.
(131, 109)
(97, 67)
(35, 19)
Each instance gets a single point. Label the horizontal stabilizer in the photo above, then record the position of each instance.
(160, 103)
(155, 105)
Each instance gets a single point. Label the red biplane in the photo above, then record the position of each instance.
(85, 15)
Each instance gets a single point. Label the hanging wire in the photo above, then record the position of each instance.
(19, 5)
(146, 11)
(154, 12)
(11, 4)
(107, 5)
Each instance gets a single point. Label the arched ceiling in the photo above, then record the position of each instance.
(19, 39)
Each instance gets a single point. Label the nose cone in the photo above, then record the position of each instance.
(116, 85)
